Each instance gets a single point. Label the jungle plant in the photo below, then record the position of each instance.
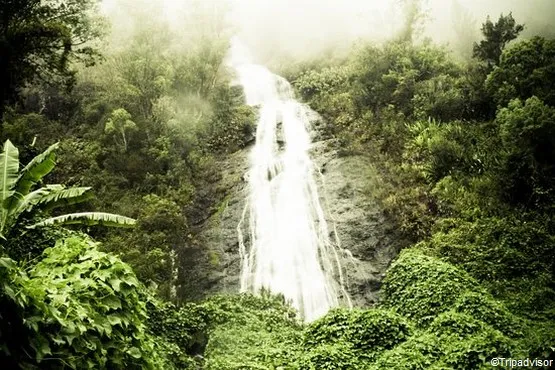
(18, 200)
(78, 308)
(120, 124)
(496, 36)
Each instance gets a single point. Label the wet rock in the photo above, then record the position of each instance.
(360, 223)
(218, 234)
(369, 239)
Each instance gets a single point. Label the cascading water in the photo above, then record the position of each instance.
(289, 250)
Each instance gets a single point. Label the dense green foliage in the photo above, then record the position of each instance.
(21, 204)
(525, 70)
(143, 130)
(464, 149)
(496, 37)
(40, 39)
(466, 159)
(76, 308)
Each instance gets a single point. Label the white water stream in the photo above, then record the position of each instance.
(289, 250)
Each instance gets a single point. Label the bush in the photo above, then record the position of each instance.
(420, 287)
(329, 80)
(526, 69)
(418, 353)
(251, 332)
(539, 340)
(338, 356)
(395, 74)
(491, 312)
(183, 331)
(468, 198)
(508, 255)
(452, 323)
(439, 98)
(452, 341)
(79, 308)
(251, 346)
(233, 124)
(367, 331)
(476, 351)
(331, 328)
(442, 149)
(527, 171)
(272, 309)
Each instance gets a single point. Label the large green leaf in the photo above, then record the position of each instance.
(50, 197)
(87, 218)
(64, 197)
(9, 167)
(35, 170)
(17, 203)
(47, 198)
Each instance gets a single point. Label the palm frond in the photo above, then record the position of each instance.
(35, 170)
(20, 203)
(9, 167)
(65, 197)
(87, 218)
(27, 202)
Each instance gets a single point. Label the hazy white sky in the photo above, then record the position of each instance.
(302, 26)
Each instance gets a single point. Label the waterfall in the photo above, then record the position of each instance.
(289, 250)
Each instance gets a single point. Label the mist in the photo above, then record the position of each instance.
(300, 29)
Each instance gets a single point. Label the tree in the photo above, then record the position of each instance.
(496, 38)
(528, 167)
(40, 38)
(415, 16)
(119, 124)
(17, 198)
(526, 69)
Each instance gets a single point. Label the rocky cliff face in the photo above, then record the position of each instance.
(363, 230)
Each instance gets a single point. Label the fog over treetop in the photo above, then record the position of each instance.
(301, 28)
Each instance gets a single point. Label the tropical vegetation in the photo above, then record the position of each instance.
(464, 146)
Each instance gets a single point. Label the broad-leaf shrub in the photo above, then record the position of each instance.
(252, 346)
(506, 255)
(495, 248)
(393, 74)
(527, 131)
(452, 323)
(20, 202)
(476, 351)
(332, 328)
(452, 341)
(251, 332)
(539, 338)
(326, 81)
(337, 356)
(183, 331)
(420, 352)
(78, 308)
(486, 309)
(526, 69)
(150, 247)
(367, 330)
(271, 309)
(420, 287)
